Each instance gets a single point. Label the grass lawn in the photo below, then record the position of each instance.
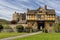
(5, 35)
(42, 36)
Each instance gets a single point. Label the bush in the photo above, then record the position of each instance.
(56, 27)
(45, 30)
(7, 28)
(28, 29)
(1, 28)
(20, 28)
(34, 30)
(13, 22)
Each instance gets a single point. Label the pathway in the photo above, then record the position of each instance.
(29, 34)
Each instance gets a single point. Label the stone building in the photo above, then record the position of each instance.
(37, 19)
(41, 18)
(19, 17)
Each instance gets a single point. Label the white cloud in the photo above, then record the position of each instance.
(8, 7)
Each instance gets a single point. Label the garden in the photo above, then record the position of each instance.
(6, 35)
(7, 31)
(42, 36)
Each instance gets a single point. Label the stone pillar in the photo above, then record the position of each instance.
(35, 25)
(48, 26)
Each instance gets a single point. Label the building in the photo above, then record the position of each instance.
(41, 18)
(19, 17)
(38, 19)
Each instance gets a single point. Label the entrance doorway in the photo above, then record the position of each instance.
(40, 25)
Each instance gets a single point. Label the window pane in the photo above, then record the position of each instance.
(39, 16)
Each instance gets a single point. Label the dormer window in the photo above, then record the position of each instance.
(39, 16)
(40, 11)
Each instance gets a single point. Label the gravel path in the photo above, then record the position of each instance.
(29, 34)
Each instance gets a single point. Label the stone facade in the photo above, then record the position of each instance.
(41, 18)
(37, 19)
(19, 17)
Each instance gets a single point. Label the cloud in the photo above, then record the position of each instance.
(8, 7)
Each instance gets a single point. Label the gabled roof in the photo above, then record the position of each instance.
(50, 11)
(32, 11)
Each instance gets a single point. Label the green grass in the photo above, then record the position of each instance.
(5, 35)
(42, 36)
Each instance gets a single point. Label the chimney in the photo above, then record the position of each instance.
(27, 10)
(45, 7)
(15, 11)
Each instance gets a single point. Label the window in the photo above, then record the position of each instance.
(32, 23)
(35, 12)
(46, 12)
(40, 11)
(47, 16)
(39, 16)
(17, 19)
(51, 24)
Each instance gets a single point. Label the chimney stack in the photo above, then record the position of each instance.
(27, 10)
(45, 7)
(15, 11)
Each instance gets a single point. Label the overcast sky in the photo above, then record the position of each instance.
(8, 7)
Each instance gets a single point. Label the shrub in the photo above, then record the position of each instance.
(56, 27)
(34, 30)
(28, 29)
(45, 30)
(8, 28)
(20, 28)
(13, 22)
(1, 28)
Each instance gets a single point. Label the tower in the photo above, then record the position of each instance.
(16, 16)
(45, 7)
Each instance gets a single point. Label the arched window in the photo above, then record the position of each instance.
(17, 19)
(39, 16)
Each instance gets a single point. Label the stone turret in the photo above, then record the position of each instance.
(16, 16)
(45, 7)
(19, 17)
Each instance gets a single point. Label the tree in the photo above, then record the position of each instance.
(57, 27)
(20, 28)
(13, 22)
(1, 28)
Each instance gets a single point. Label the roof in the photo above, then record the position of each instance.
(50, 11)
(32, 11)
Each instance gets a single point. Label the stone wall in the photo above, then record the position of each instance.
(49, 26)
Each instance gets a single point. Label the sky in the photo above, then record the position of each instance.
(8, 7)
